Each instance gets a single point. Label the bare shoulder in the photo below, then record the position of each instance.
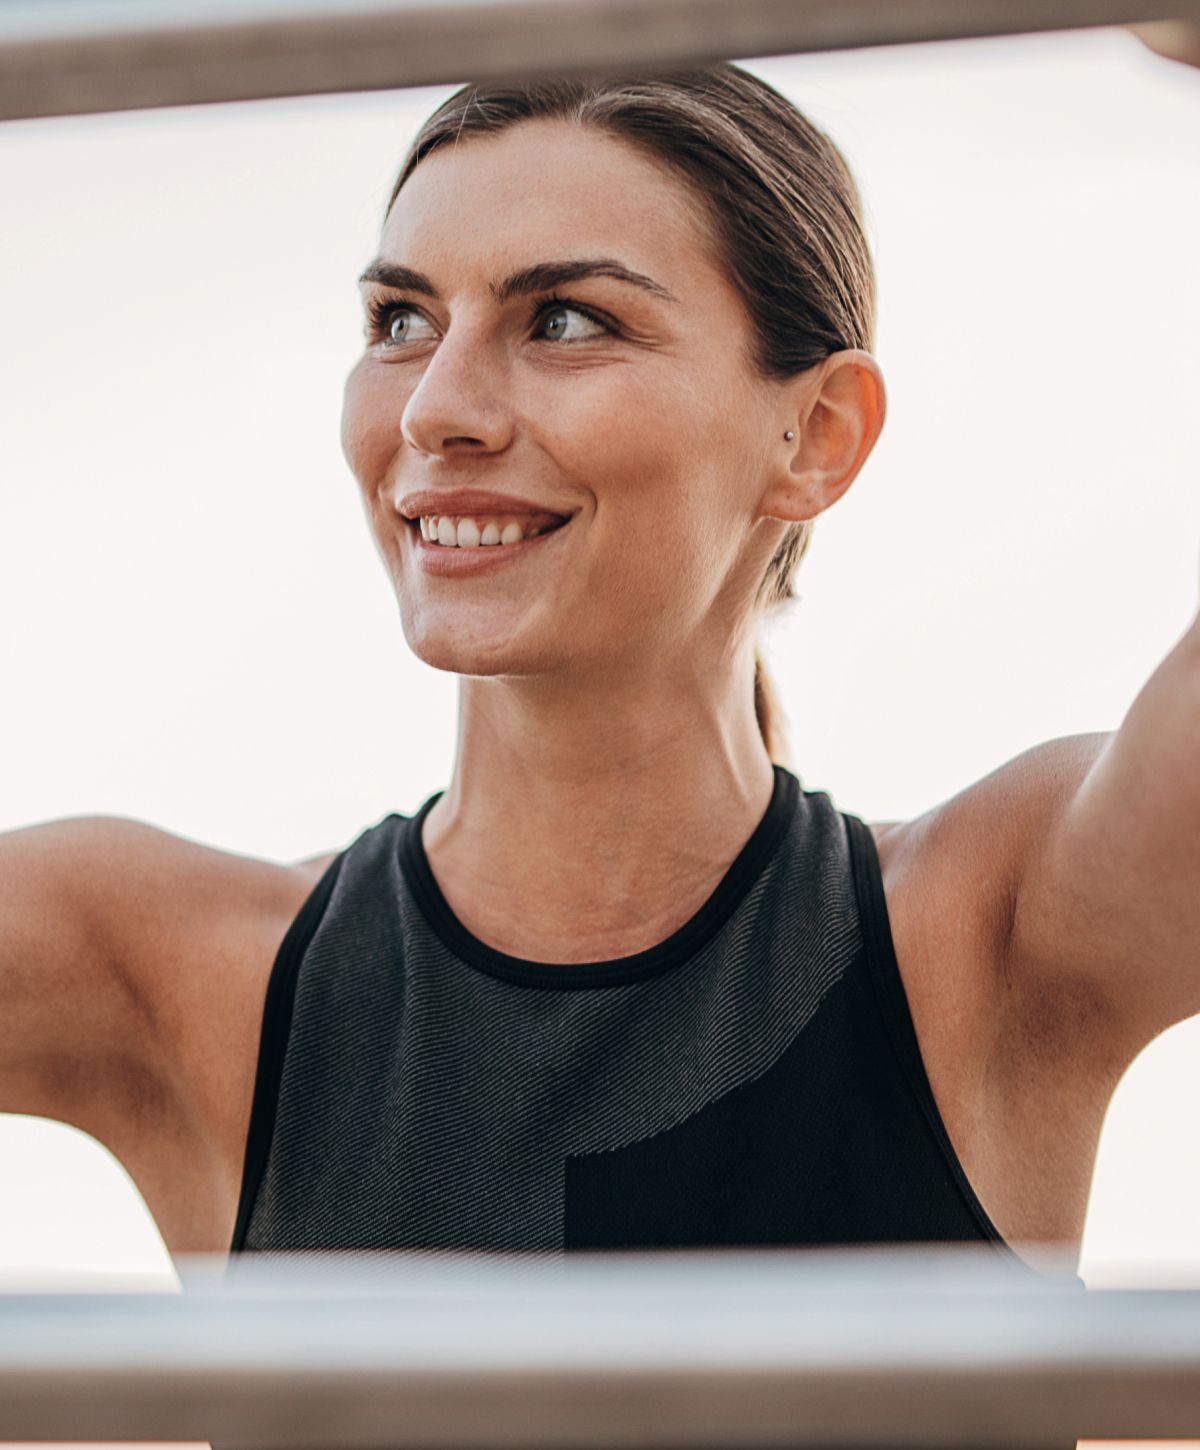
(951, 874)
(133, 920)
(201, 943)
(149, 891)
(1018, 1085)
(134, 962)
(197, 926)
(980, 837)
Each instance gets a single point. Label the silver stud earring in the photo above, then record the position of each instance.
(789, 435)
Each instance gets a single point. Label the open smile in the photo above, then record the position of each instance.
(473, 543)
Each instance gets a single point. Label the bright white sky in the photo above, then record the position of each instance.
(200, 634)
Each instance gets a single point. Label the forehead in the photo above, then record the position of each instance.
(554, 188)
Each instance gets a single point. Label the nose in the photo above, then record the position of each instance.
(459, 402)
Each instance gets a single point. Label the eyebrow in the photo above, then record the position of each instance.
(541, 277)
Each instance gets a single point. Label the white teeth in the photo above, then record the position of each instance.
(467, 532)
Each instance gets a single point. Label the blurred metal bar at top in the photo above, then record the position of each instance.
(70, 57)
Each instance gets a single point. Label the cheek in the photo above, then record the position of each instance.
(370, 430)
(656, 458)
(631, 438)
(667, 467)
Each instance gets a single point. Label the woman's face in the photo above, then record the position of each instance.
(508, 357)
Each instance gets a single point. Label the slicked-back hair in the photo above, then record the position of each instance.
(786, 221)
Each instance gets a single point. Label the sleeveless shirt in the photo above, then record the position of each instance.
(753, 1080)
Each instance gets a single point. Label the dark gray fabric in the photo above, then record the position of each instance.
(425, 1103)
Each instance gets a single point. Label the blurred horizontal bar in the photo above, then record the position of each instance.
(63, 57)
(789, 1348)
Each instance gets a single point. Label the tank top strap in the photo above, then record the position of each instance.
(273, 1041)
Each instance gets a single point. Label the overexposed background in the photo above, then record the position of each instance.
(198, 632)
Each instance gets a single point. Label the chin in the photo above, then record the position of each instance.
(461, 653)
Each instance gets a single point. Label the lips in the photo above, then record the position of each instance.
(457, 502)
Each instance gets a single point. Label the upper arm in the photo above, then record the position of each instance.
(75, 1022)
(1108, 894)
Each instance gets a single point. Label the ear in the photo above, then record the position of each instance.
(836, 410)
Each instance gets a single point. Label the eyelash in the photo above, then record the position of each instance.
(379, 311)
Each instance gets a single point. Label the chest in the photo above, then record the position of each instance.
(1022, 1124)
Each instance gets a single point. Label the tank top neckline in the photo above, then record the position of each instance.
(680, 946)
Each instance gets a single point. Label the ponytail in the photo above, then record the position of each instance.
(768, 713)
(778, 586)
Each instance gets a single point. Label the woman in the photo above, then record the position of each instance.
(624, 983)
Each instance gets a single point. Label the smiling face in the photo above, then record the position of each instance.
(551, 325)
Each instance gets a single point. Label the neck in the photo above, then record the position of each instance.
(579, 829)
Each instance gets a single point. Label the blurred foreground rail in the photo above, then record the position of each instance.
(61, 57)
(789, 1348)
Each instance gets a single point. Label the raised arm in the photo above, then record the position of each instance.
(133, 968)
(1172, 39)
(75, 1027)
(1108, 895)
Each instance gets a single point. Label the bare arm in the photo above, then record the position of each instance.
(133, 966)
(1108, 894)
(1172, 39)
(76, 1030)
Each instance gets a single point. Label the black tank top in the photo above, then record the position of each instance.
(752, 1080)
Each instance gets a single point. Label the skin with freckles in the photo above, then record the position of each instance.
(608, 758)
(609, 766)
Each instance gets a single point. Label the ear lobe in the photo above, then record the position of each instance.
(840, 418)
